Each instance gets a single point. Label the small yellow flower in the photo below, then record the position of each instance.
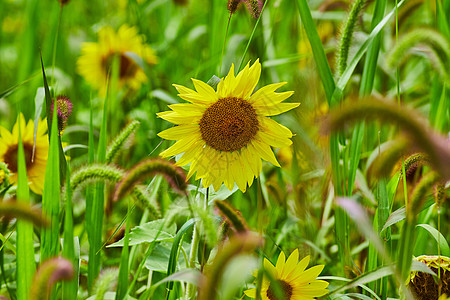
(9, 143)
(296, 282)
(224, 134)
(97, 58)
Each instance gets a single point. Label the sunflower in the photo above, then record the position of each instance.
(296, 283)
(224, 134)
(9, 143)
(97, 58)
(423, 284)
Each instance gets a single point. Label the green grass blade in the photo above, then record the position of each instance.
(355, 154)
(216, 32)
(343, 80)
(25, 249)
(251, 37)
(370, 64)
(174, 252)
(317, 49)
(90, 229)
(69, 288)
(122, 284)
(51, 196)
(99, 189)
(440, 239)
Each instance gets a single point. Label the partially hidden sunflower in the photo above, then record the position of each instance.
(224, 134)
(97, 58)
(296, 282)
(9, 144)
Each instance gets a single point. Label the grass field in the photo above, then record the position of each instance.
(206, 150)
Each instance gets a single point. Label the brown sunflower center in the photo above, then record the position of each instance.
(10, 157)
(285, 287)
(229, 124)
(127, 67)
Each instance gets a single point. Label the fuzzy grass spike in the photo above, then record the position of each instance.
(174, 175)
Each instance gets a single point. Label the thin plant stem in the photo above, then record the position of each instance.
(224, 43)
(251, 36)
(55, 44)
(194, 247)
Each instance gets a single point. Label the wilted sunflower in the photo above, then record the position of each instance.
(296, 282)
(9, 143)
(97, 58)
(224, 134)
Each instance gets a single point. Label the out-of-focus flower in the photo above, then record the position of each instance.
(9, 144)
(294, 280)
(97, 58)
(423, 284)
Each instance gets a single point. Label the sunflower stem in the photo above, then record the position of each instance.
(194, 249)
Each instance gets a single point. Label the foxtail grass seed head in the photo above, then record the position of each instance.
(120, 141)
(439, 195)
(51, 271)
(174, 175)
(233, 5)
(232, 216)
(64, 111)
(23, 211)
(254, 7)
(423, 284)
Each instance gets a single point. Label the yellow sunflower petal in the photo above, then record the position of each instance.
(291, 264)
(205, 89)
(265, 152)
(272, 127)
(274, 110)
(281, 261)
(269, 267)
(250, 293)
(300, 268)
(187, 109)
(244, 88)
(263, 97)
(177, 118)
(180, 146)
(178, 132)
(236, 168)
(226, 86)
(308, 275)
(274, 140)
(6, 135)
(193, 154)
(192, 96)
(264, 92)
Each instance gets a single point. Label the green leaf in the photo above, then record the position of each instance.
(174, 251)
(51, 196)
(153, 231)
(69, 288)
(340, 85)
(317, 49)
(122, 282)
(25, 249)
(440, 239)
(159, 259)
